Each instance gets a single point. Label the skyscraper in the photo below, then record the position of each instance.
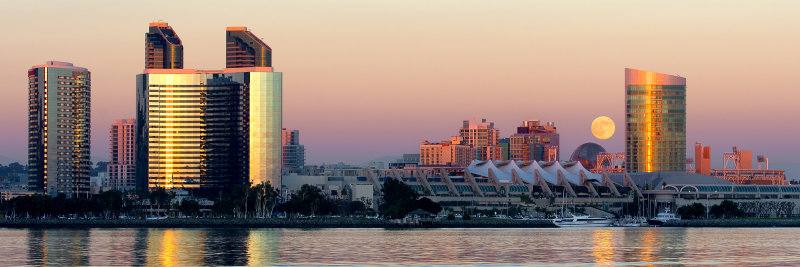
(163, 48)
(535, 141)
(208, 130)
(121, 170)
(483, 137)
(655, 124)
(244, 49)
(58, 129)
(293, 153)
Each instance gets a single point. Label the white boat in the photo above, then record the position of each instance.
(662, 217)
(582, 221)
(156, 217)
(631, 222)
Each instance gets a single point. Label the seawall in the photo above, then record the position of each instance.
(269, 223)
(734, 223)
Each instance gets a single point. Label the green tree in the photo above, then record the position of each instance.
(110, 203)
(726, 209)
(428, 205)
(309, 200)
(160, 197)
(265, 199)
(189, 207)
(398, 199)
(357, 208)
(693, 211)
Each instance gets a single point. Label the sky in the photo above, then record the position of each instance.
(370, 79)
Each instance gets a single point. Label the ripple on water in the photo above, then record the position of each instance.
(410, 247)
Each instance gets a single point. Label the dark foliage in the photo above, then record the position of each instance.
(693, 211)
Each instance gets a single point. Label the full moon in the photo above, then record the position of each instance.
(603, 127)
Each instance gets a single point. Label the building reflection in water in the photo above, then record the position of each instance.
(654, 245)
(170, 247)
(111, 246)
(139, 252)
(262, 247)
(603, 242)
(58, 247)
(37, 249)
(226, 247)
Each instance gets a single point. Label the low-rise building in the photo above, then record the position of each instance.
(446, 153)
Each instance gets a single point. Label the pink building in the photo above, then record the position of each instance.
(121, 169)
(535, 141)
(482, 135)
(450, 153)
(702, 159)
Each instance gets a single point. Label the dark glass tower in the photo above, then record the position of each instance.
(163, 48)
(244, 49)
(58, 129)
(655, 121)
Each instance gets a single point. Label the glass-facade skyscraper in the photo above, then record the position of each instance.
(58, 129)
(163, 47)
(655, 121)
(244, 49)
(208, 130)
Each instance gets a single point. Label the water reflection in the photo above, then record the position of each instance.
(171, 247)
(258, 247)
(226, 247)
(603, 250)
(58, 247)
(262, 247)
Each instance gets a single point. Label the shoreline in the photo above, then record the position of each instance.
(267, 223)
(731, 223)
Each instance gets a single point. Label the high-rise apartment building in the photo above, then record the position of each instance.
(482, 136)
(59, 96)
(163, 47)
(208, 130)
(446, 153)
(121, 170)
(293, 153)
(535, 141)
(702, 159)
(655, 124)
(244, 49)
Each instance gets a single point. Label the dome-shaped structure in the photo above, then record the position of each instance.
(587, 155)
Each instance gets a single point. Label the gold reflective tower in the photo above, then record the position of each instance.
(208, 130)
(655, 121)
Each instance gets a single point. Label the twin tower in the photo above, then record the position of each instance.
(207, 131)
(164, 49)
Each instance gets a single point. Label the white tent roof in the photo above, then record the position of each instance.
(577, 167)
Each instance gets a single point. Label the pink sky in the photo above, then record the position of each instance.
(367, 79)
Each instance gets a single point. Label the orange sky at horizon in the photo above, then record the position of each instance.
(368, 79)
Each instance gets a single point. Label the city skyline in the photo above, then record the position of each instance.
(520, 69)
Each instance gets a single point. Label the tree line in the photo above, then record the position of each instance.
(241, 201)
(730, 209)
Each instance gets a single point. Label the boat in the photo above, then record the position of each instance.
(631, 222)
(662, 217)
(156, 217)
(581, 221)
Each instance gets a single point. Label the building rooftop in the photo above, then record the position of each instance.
(196, 71)
(656, 179)
(59, 64)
